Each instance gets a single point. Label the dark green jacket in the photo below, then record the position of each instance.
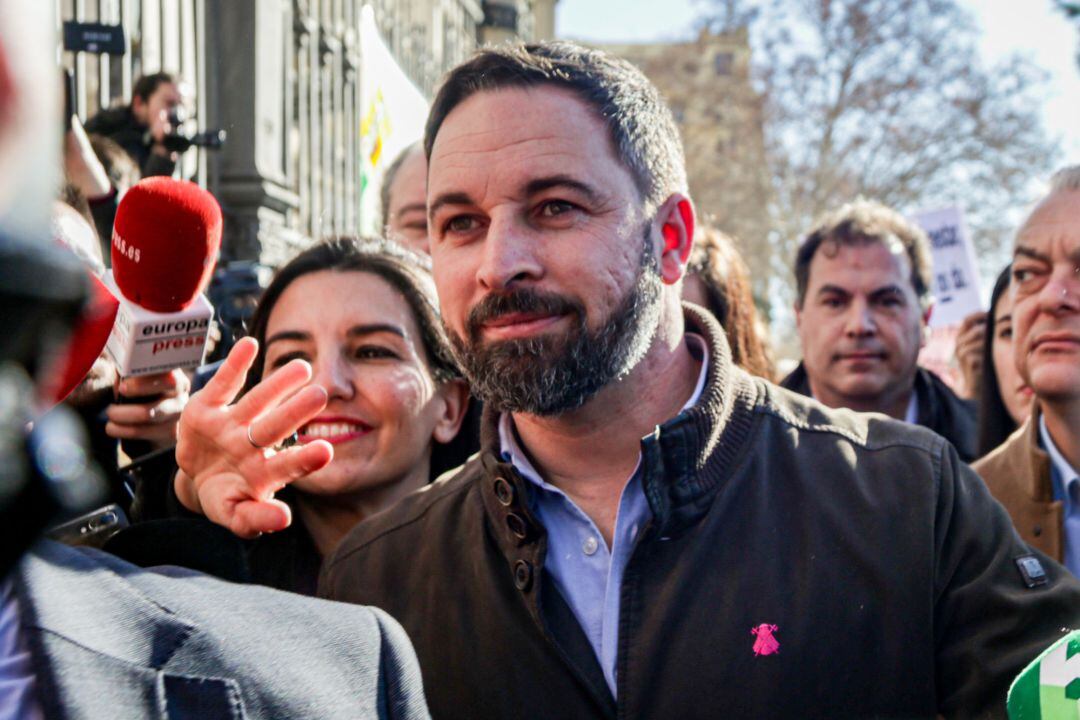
(888, 570)
(939, 409)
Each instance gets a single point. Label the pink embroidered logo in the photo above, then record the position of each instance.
(765, 644)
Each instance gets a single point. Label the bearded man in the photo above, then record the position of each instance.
(648, 531)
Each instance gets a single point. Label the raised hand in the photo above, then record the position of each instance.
(229, 469)
(969, 352)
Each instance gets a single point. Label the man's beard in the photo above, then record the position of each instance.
(554, 373)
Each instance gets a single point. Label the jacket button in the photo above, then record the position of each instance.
(517, 526)
(522, 575)
(504, 493)
(1038, 530)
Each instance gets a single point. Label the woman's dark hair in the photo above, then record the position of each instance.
(147, 85)
(404, 270)
(716, 262)
(995, 422)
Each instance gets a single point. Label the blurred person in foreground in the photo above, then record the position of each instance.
(1034, 473)
(648, 531)
(718, 280)
(83, 634)
(365, 316)
(1004, 397)
(863, 302)
(404, 209)
(141, 126)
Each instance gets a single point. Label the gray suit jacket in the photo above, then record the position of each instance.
(111, 640)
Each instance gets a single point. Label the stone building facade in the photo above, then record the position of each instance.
(282, 77)
(707, 84)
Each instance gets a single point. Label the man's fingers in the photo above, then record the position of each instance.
(290, 416)
(229, 379)
(268, 393)
(146, 414)
(141, 432)
(171, 383)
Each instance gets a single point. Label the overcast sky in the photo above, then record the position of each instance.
(1028, 26)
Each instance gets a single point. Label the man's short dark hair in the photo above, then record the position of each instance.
(147, 85)
(641, 126)
(860, 223)
(388, 180)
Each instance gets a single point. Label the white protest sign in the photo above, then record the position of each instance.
(955, 284)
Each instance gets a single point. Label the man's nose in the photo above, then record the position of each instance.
(509, 254)
(860, 320)
(1061, 293)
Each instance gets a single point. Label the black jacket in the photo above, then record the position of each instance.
(886, 567)
(939, 409)
(119, 124)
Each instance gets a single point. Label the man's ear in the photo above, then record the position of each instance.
(926, 324)
(455, 396)
(676, 219)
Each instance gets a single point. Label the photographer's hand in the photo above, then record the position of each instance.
(229, 470)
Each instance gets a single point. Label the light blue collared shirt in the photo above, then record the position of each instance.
(1066, 483)
(588, 573)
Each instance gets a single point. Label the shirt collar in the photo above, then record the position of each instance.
(512, 451)
(911, 416)
(1064, 471)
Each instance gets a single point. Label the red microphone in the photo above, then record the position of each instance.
(165, 244)
(85, 343)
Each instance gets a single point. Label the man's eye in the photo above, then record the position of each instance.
(832, 302)
(554, 208)
(460, 224)
(1022, 275)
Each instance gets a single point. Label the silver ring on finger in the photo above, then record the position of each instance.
(251, 440)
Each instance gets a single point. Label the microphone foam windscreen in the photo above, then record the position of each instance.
(165, 243)
(85, 343)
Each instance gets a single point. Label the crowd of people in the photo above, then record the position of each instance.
(538, 432)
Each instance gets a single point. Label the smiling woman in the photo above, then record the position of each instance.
(363, 315)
